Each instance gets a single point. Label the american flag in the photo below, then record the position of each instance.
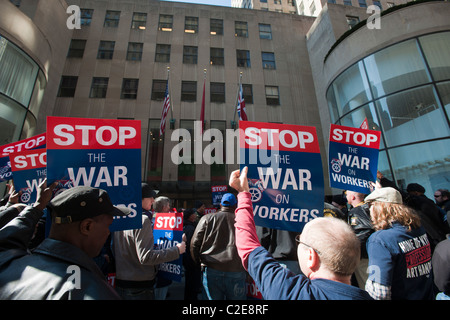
(241, 105)
(165, 110)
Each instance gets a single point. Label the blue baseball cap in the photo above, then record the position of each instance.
(228, 200)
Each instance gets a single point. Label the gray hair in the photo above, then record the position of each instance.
(160, 203)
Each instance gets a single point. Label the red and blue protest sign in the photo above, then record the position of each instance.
(167, 233)
(29, 168)
(353, 158)
(284, 173)
(34, 142)
(217, 193)
(100, 153)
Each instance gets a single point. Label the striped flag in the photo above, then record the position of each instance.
(165, 110)
(241, 105)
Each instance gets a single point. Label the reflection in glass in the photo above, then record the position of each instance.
(395, 68)
(11, 119)
(356, 118)
(427, 164)
(18, 72)
(444, 92)
(351, 89)
(436, 48)
(412, 116)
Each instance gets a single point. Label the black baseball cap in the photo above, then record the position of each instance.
(79, 203)
(147, 191)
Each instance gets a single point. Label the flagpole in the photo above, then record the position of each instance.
(237, 97)
(170, 101)
(202, 111)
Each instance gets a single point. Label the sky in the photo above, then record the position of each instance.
(225, 3)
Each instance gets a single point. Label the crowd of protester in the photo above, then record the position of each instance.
(391, 244)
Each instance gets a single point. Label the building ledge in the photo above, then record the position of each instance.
(364, 22)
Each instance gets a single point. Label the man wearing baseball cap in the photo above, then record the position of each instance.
(61, 267)
(213, 245)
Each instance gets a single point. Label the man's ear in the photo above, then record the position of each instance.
(86, 226)
(313, 261)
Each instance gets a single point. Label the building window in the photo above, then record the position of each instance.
(243, 58)
(129, 89)
(86, 16)
(67, 86)
(265, 31)
(134, 52)
(217, 56)
(162, 53)
(155, 152)
(112, 19)
(190, 24)
(106, 50)
(277, 1)
(241, 29)
(362, 3)
(348, 2)
(378, 4)
(352, 21)
(76, 49)
(268, 60)
(247, 90)
(217, 92)
(165, 22)
(99, 87)
(272, 96)
(189, 91)
(190, 54)
(216, 27)
(139, 21)
(159, 90)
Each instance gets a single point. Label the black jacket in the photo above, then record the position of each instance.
(55, 270)
(213, 243)
(359, 220)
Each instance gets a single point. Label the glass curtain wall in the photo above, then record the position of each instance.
(404, 92)
(22, 85)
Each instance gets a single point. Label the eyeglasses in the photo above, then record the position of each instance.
(438, 196)
(297, 238)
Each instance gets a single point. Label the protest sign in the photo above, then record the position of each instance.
(29, 168)
(167, 233)
(285, 173)
(34, 142)
(353, 158)
(100, 153)
(217, 193)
